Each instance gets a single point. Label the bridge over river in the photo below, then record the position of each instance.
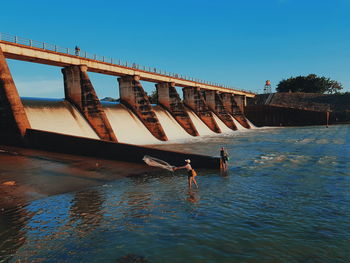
(218, 107)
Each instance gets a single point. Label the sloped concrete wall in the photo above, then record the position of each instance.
(134, 97)
(215, 103)
(231, 106)
(80, 92)
(13, 119)
(194, 99)
(171, 101)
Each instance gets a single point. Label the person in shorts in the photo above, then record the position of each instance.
(191, 173)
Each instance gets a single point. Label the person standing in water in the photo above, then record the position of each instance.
(190, 171)
(223, 159)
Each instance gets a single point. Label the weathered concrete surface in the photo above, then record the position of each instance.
(37, 55)
(57, 142)
(338, 105)
(297, 100)
(215, 103)
(13, 119)
(266, 115)
(134, 97)
(80, 92)
(232, 107)
(171, 101)
(240, 101)
(193, 98)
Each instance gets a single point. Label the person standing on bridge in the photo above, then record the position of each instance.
(191, 173)
(77, 51)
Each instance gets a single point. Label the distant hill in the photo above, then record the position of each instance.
(110, 99)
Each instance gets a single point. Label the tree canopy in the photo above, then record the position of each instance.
(153, 98)
(309, 84)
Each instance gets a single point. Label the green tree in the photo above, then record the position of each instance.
(309, 84)
(153, 98)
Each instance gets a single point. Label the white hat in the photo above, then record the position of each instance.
(187, 160)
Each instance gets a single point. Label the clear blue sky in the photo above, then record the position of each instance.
(240, 43)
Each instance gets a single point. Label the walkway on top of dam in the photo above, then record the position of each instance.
(18, 48)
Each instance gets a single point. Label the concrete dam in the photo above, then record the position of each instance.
(81, 120)
(61, 116)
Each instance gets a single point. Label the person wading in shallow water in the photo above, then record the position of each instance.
(223, 159)
(191, 173)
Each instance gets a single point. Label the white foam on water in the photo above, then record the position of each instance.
(201, 127)
(62, 117)
(127, 127)
(252, 126)
(57, 116)
(171, 127)
(222, 125)
(238, 125)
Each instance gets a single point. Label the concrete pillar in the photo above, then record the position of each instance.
(231, 106)
(194, 99)
(13, 119)
(80, 92)
(214, 102)
(240, 101)
(170, 100)
(134, 97)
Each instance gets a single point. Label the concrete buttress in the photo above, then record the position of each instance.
(214, 102)
(240, 101)
(13, 119)
(134, 97)
(231, 106)
(169, 99)
(80, 92)
(193, 98)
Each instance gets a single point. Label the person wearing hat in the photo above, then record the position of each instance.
(191, 173)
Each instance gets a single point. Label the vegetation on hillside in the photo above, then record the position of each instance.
(309, 84)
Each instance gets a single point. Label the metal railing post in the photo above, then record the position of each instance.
(55, 48)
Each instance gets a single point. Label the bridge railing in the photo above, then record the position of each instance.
(84, 54)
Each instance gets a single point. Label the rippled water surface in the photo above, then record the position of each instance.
(286, 199)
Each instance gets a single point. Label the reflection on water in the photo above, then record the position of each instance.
(286, 199)
(192, 197)
(12, 231)
(85, 211)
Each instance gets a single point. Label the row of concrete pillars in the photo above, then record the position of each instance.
(80, 92)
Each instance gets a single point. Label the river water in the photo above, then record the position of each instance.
(286, 199)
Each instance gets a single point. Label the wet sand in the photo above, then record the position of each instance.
(39, 174)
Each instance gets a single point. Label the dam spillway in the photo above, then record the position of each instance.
(57, 116)
(82, 120)
(60, 116)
